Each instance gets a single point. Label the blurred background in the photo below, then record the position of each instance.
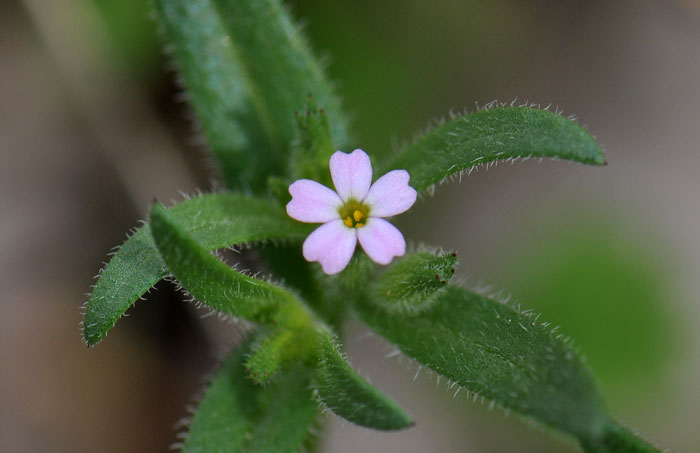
(92, 128)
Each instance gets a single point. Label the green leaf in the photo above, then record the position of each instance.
(217, 89)
(313, 146)
(275, 349)
(245, 85)
(282, 71)
(412, 283)
(236, 415)
(215, 221)
(617, 439)
(499, 353)
(269, 355)
(214, 283)
(490, 135)
(287, 414)
(347, 394)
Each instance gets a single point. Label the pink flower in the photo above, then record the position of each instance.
(354, 212)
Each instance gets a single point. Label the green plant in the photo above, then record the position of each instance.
(271, 118)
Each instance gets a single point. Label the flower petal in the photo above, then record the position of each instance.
(351, 173)
(332, 244)
(381, 240)
(313, 202)
(391, 195)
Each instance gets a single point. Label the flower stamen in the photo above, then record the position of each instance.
(361, 208)
(354, 214)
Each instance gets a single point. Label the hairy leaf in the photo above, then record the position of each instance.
(490, 135)
(276, 349)
(347, 394)
(282, 72)
(211, 281)
(505, 356)
(412, 283)
(236, 415)
(245, 84)
(269, 354)
(617, 439)
(289, 414)
(218, 90)
(215, 221)
(313, 146)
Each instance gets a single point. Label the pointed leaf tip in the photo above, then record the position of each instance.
(412, 283)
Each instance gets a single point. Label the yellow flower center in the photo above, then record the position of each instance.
(354, 214)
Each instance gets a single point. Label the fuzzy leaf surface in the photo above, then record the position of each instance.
(217, 89)
(243, 84)
(347, 394)
(214, 221)
(268, 355)
(282, 71)
(413, 282)
(237, 415)
(490, 135)
(275, 350)
(496, 352)
(313, 146)
(210, 280)
(617, 439)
